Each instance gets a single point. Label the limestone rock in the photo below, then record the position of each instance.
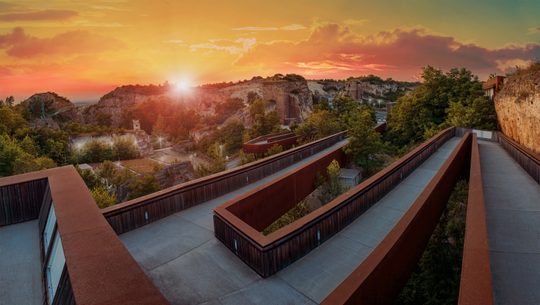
(518, 107)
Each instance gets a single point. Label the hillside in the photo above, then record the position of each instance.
(291, 96)
(48, 109)
(518, 107)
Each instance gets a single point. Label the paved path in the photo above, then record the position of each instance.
(20, 263)
(513, 222)
(190, 266)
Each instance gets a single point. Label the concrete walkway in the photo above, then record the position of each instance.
(20, 263)
(513, 222)
(190, 266)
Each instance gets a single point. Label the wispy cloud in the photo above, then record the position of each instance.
(39, 15)
(238, 46)
(19, 44)
(534, 30)
(290, 27)
(334, 50)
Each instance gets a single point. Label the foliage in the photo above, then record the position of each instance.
(144, 185)
(226, 109)
(177, 120)
(263, 122)
(332, 187)
(436, 280)
(51, 143)
(246, 158)
(94, 151)
(10, 120)
(102, 197)
(16, 160)
(124, 149)
(230, 136)
(217, 162)
(90, 178)
(75, 128)
(478, 113)
(275, 149)
(365, 146)
(298, 211)
(441, 100)
(318, 125)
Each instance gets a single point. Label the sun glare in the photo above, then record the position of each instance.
(182, 86)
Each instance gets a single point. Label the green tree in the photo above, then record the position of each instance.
(217, 161)
(318, 125)
(90, 178)
(477, 113)
(275, 149)
(365, 146)
(102, 197)
(95, 151)
(144, 185)
(436, 279)
(29, 146)
(332, 187)
(124, 149)
(425, 110)
(263, 122)
(25, 163)
(10, 120)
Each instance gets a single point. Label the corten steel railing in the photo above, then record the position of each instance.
(136, 213)
(475, 283)
(98, 269)
(528, 160)
(381, 276)
(269, 254)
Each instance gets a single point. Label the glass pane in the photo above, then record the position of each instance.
(55, 266)
(49, 226)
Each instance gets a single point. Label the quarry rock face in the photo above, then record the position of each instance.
(518, 108)
(292, 99)
(48, 109)
(112, 106)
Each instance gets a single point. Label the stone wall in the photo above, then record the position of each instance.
(518, 108)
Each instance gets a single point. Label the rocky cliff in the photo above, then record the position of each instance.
(518, 107)
(289, 96)
(111, 107)
(49, 109)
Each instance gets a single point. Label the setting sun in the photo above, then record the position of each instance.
(182, 86)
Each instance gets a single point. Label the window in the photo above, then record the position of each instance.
(55, 266)
(49, 227)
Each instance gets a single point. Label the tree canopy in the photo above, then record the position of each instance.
(454, 98)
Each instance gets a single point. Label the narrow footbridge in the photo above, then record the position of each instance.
(201, 243)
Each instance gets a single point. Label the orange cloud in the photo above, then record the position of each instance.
(19, 44)
(333, 50)
(39, 15)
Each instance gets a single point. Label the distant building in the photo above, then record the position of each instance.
(492, 86)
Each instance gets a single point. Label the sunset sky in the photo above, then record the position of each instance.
(83, 49)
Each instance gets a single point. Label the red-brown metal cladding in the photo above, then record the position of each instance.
(262, 206)
(101, 270)
(475, 284)
(262, 144)
(381, 276)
